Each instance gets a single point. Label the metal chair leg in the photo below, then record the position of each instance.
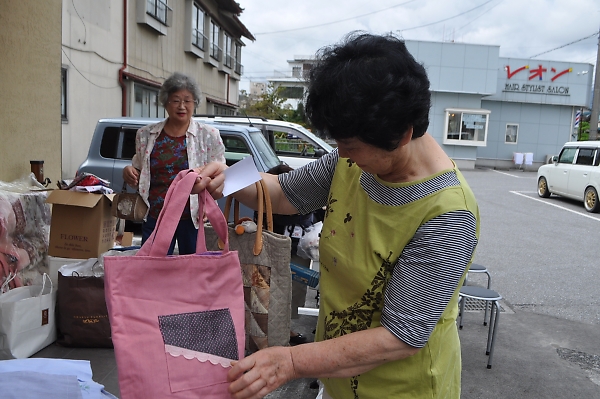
(493, 325)
(461, 313)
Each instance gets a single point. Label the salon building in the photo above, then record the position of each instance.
(485, 108)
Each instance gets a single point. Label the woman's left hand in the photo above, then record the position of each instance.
(260, 373)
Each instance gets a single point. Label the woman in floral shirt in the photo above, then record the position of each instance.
(165, 148)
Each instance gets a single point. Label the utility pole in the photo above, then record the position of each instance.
(596, 100)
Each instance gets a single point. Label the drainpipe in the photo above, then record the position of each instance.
(121, 82)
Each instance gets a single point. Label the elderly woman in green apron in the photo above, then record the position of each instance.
(399, 234)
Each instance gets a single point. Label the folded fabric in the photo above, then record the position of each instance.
(98, 189)
(31, 385)
(81, 369)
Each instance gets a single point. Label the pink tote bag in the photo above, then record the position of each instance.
(176, 321)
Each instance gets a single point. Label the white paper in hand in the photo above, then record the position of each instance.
(241, 174)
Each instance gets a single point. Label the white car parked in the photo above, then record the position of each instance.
(574, 174)
(293, 144)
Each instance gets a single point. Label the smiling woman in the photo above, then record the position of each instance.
(165, 148)
(394, 204)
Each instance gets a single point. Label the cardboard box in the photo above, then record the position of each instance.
(82, 226)
(125, 240)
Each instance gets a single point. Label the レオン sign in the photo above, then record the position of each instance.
(540, 72)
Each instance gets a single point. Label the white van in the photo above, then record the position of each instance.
(293, 143)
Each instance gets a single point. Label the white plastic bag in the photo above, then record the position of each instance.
(308, 246)
(27, 321)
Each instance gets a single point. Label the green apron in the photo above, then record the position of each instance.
(360, 243)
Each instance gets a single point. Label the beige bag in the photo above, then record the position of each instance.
(129, 206)
(265, 262)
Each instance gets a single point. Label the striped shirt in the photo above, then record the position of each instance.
(430, 266)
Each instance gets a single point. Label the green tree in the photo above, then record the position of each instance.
(583, 132)
(271, 105)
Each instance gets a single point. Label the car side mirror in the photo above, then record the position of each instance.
(554, 159)
(319, 153)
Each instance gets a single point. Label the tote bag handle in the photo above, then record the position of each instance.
(264, 208)
(179, 191)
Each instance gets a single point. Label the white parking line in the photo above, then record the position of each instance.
(508, 174)
(587, 215)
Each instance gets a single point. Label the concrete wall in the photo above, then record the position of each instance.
(543, 129)
(92, 53)
(31, 83)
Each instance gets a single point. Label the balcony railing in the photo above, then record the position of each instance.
(228, 60)
(239, 68)
(216, 52)
(199, 40)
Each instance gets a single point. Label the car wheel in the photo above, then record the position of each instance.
(543, 188)
(590, 200)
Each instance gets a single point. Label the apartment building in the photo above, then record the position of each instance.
(117, 53)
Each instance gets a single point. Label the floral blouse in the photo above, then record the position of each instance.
(204, 145)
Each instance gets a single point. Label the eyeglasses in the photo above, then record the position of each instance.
(186, 103)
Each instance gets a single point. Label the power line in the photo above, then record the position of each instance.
(446, 19)
(375, 12)
(334, 22)
(480, 15)
(84, 27)
(102, 87)
(565, 45)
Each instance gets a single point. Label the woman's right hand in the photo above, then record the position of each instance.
(212, 178)
(131, 176)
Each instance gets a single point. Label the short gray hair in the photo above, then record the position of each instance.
(179, 81)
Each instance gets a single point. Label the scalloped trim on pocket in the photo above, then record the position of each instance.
(202, 357)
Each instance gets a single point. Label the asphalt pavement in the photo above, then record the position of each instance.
(543, 258)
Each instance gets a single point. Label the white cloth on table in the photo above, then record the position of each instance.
(32, 385)
(80, 369)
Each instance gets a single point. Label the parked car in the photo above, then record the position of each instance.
(574, 174)
(113, 147)
(293, 143)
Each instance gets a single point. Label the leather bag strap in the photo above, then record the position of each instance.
(264, 208)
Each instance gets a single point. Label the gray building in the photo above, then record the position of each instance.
(489, 110)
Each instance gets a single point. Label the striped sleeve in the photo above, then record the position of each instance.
(427, 274)
(307, 188)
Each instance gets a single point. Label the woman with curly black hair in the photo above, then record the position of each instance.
(399, 234)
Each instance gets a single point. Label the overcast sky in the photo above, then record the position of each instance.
(522, 28)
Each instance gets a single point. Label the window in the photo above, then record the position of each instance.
(292, 92)
(237, 54)
(198, 36)
(512, 132)
(215, 32)
(228, 48)
(296, 72)
(225, 111)
(466, 127)
(567, 155)
(585, 156)
(63, 94)
(157, 9)
(109, 147)
(146, 103)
